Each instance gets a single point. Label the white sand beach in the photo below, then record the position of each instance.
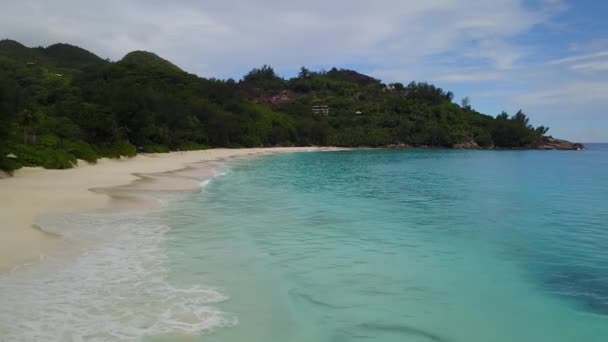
(32, 192)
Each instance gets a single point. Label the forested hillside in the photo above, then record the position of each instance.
(62, 103)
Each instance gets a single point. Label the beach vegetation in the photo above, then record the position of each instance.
(116, 150)
(37, 155)
(155, 148)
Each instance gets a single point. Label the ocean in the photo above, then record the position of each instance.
(361, 245)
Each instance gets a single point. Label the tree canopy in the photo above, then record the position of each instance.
(62, 103)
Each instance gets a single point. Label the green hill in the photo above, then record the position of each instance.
(72, 57)
(59, 56)
(16, 51)
(145, 59)
(62, 102)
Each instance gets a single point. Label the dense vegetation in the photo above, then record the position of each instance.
(62, 103)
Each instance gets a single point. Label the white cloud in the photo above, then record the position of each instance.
(224, 36)
(573, 93)
(472, 76)
(579, 58)
(601, 65)
(588, 63)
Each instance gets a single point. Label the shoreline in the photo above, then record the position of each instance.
(33, 192)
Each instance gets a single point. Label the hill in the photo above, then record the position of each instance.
(62, 102)
(73, 57)
(145, 59)
(58, 56)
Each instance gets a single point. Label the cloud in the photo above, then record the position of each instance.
(223, 37)
(570, 93)
(587, 63)
(579, 58)
(472, 76)
(594, 66)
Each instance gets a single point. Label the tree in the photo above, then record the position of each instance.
(502, 116)
(266, 72)
(304, 73)
(465, 103)
(521, 118)
(397, 86)
(542, 130)
(263, 78)
(449, 96)
(29, 121)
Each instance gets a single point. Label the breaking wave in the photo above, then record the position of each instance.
(114, 287)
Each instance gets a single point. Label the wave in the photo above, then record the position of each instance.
(117, 288)
(216, 174)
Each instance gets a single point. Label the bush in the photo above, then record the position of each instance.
(483, 138)
(191, 146)
(155, 148)
(59, 159)
(48, 140)
(81, 150)
(126, 149)
(8, 165)
(117, 150)
(49, 158)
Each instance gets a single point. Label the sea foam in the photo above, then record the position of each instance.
(117, 288)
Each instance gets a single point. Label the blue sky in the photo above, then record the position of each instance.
(547, 57)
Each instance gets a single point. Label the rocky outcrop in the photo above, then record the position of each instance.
(547, 143)
(550, 143)
(469, 144)
(399, 146)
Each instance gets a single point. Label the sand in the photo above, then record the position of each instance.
(32, 192)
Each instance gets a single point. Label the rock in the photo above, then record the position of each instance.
(549, 143)
(399, 146)
(468, 144)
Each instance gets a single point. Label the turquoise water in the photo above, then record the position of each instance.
(365, 245)
(407, 245)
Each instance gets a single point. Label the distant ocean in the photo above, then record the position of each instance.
(363, 245)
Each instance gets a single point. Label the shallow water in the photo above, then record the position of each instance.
(378, 245)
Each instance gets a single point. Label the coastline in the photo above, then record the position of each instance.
(547, 143)
(33, 192)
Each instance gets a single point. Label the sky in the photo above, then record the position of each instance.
(547, 57)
